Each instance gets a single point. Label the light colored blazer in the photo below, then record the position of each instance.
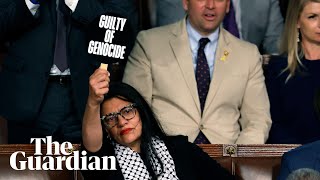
(237, 106)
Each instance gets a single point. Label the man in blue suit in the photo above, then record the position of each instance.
(306, 156)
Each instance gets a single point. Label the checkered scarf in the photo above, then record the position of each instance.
(132, 166)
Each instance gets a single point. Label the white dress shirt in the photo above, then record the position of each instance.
(209, 50)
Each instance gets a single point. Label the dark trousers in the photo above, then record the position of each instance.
(57, 118)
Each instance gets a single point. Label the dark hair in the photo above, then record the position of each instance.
(150, 124)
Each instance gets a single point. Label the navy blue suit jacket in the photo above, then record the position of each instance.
(306, 156)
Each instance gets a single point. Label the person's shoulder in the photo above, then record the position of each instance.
(302, 154)
(277, 63)
(278, 60)
(179, 143)
(275, 68)
(304, 150)
(305, 156)
(244, 51)
(180, 139)
(236, 42)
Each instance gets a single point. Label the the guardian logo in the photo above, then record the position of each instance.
(62, 154)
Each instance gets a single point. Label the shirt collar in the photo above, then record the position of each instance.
(195, 36)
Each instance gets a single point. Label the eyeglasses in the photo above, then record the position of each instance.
(128, 112)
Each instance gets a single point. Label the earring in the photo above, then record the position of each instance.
(298, 36)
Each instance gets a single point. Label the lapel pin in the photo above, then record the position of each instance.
(225, 55)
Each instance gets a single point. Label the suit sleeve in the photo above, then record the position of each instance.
(138, 69)
(274, 29)
(15, 19)
(255, 118)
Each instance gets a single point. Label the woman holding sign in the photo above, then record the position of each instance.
(118, 122)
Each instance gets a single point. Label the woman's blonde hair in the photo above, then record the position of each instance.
(289, 44)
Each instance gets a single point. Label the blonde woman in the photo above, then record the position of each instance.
(293, 79)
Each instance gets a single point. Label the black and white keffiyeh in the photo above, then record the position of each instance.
(133, 168)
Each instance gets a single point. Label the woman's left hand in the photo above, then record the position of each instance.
(98, 86)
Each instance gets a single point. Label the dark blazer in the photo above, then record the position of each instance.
(191, 162)
(31, 47)
(293, 104)
(306, 156)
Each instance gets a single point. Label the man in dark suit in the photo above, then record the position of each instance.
(38, 98)
(306, 156)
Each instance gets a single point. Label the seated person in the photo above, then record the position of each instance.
(129, 131)
(200, 80)
(306, 156)
(292, 79)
